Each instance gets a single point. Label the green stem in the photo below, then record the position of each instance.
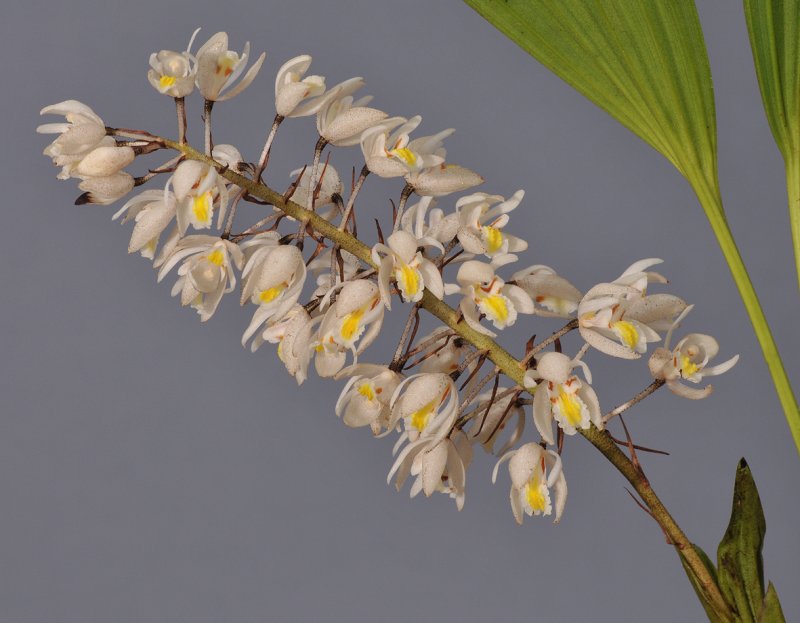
(712, 204)
(507, 363)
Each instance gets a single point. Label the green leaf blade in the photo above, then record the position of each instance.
(740, 566)
(644, 63)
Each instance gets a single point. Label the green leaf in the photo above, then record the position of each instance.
(774, 27)
(739, 564)
(711, 612)
(642, 61)
(645, 63)
(771, 611)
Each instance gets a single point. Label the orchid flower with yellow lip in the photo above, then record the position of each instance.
(356, 317)
(484, 293)
(199, 191)
(427, 404)
(552, 295)
(272, 278)
(405, 265)
(218, 68)
(562, 397)
(296, 96)
(82, 132)
(482, 218)
(620, 319)
(437, 465)
(152, 210)
(390, 152)
(173, 73)
(292, 334)
(688, 361)
(535, 473)
(206, 271)
(364, 400)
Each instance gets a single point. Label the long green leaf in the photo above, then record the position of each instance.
(774, 27)
(645, 63)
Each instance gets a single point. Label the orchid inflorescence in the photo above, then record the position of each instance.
(416, 393)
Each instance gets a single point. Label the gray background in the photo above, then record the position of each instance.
(153, 470)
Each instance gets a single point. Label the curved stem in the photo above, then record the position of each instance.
(712, 204)
(505, 362)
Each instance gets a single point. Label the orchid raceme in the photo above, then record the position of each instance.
(320, 292)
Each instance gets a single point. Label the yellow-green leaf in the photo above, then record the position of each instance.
(771, 611)
(642, 61)
(774, 27)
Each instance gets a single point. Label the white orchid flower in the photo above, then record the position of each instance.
(342, 119)
(619, 319)
(82, 132)
(104, 161)
(173, 73)
(390, 152)
(442, 179)
(364, 401)
(438, 466)
(482, 218)
(535, 472)
(273, 278)
(551, 294)
(199, 191)
(357, 316)
(293, 335)
(296, 96)
(206, 271)
(427, 404)
(424, 220)
(218, 68)
(105, 190)
(404, 264)
(487, 294)
(688, 361)
(153, 211)
(562, 397)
